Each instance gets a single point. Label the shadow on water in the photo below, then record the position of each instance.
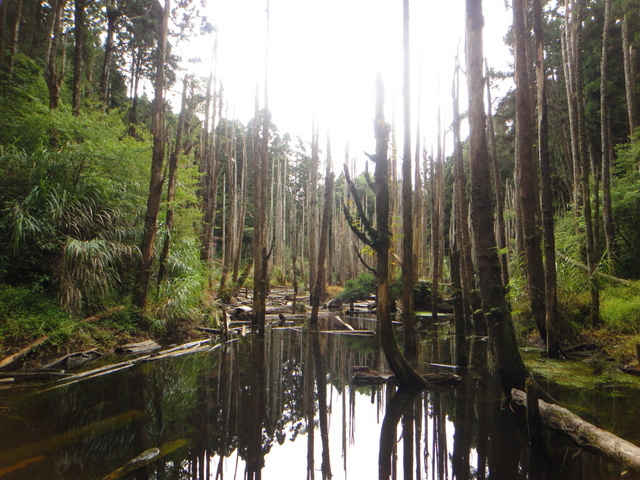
(279, 407)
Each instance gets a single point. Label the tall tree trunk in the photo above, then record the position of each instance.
(54, 67)
(546, 194)
(437, 234)
(155, 184)
(312, 215)
(630, 69)
(79, 34)
(13, 39)
(408, 268)
(113, 16)
(171, 186)
(467, 273)
(577, 16)
(501, 236)
(605, 135)
(526, 179)
(320, 278)
(509, 362)
(260, 212)
(403, 371)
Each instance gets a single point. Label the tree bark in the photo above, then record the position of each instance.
(54, 68)
(526, 178)
(630, 70)
(408, 268)
(546, 194)
(509, 362)
(79, 34)
(113, 16)
(320, 278)
(171, 185)
(605, 137)
(584, 434)
(155, 184)
(404, 372)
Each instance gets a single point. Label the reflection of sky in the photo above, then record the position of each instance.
(363, 436)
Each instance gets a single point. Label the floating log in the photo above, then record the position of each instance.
(33, 375)
(584, 434)
(73, 360)
(363, 376)
(138, 347)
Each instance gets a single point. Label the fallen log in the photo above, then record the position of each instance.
(138, 347)
(21, 353)
(73, 360)
(584, 434)
(16, 356)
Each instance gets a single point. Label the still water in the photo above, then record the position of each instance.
(283, 407)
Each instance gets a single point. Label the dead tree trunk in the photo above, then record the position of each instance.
(408, 268)
(320, 278)
(378, 238)
(510, 366)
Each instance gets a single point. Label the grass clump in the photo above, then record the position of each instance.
(620, 309)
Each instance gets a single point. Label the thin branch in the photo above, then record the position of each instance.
(362, 260)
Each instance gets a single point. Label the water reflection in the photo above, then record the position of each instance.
(279, 407)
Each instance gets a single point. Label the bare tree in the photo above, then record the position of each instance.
(510, 366)
(378, 238)
(408, 268)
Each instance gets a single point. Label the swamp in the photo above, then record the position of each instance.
(287, 406)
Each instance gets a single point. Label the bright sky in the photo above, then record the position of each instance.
(324, 55)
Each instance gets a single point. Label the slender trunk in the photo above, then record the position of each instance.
(171, 185)
(260, 244)
(408, 268)
(79, 33)
(630, 73)
(546, 194)
(320, 278)
(436, 223)
(54, 67)
(405, 374)
(312, 218)
(592, 258)
(3, 25)
(157, 159)
(501, 236)
(113, 16)
(13, 39)
(509, 362)
(526, 182)
(462, 213)
(605, 135)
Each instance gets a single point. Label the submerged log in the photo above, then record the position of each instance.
(139, 347)
(364, 376)
(73, 360)
(584, 434)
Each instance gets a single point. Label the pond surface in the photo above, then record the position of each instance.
(283, 407)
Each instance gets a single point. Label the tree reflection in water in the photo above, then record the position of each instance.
(280, 407)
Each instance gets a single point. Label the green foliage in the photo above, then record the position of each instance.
(620, 309)
(71, 192)
(179, 296)
(26, 314)
(360, 288)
